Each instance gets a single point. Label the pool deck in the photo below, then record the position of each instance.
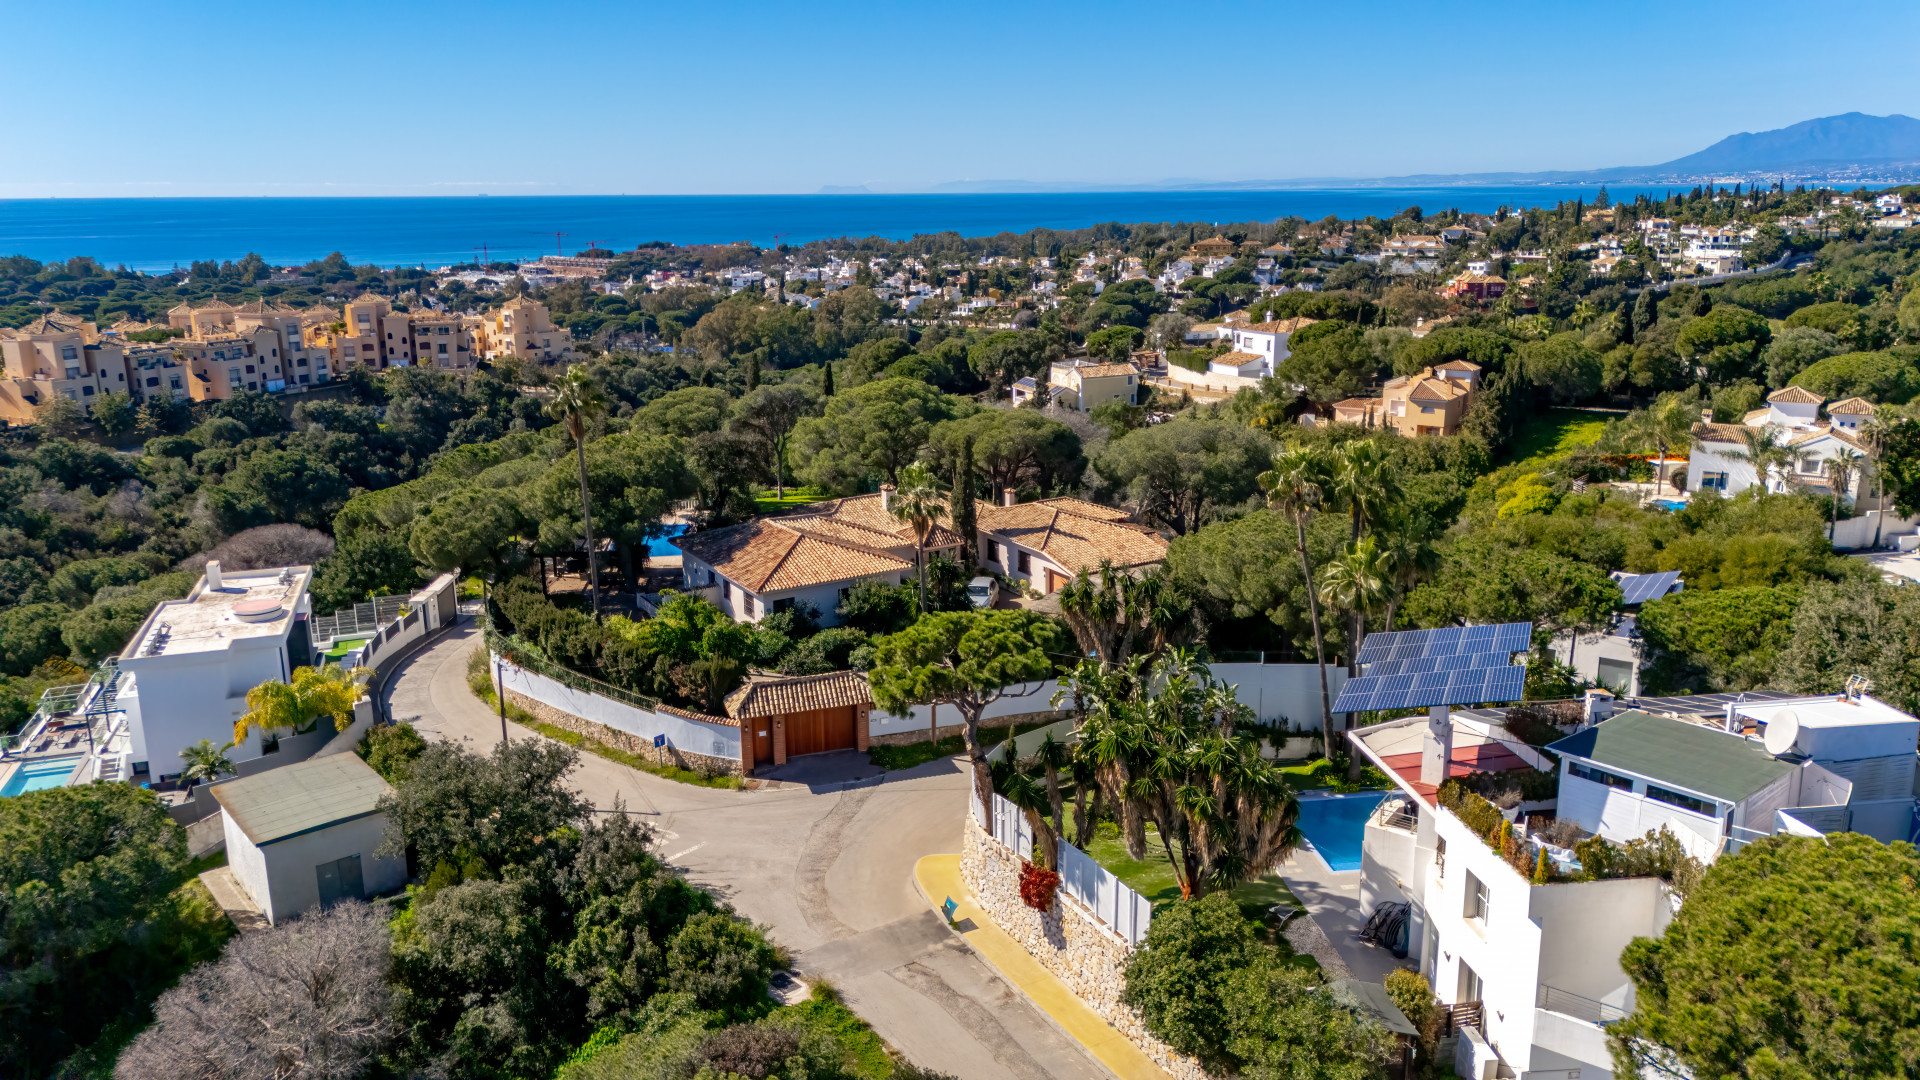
(1332, 900)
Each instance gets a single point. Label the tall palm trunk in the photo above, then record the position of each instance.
(1319, 640)
(586, 519)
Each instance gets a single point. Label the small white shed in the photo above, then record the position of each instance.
(305, 835)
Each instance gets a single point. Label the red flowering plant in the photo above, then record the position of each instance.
(1037, 886)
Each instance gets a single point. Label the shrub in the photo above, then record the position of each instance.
(391, 748)
(724, 962)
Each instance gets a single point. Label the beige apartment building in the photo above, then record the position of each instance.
(56, 355)
(522, 329)
(1432, 401)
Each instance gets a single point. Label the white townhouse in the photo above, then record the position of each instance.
(1259, 348)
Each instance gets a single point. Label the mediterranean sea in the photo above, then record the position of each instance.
(160, 234)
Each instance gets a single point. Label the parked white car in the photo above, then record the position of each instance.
(983, 591)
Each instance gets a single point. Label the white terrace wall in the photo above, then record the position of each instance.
(711, 745)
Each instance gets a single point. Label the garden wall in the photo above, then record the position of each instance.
(1067, 940)
(1024, 704)
(708, 744)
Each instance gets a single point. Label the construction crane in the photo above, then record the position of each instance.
(592, 244)
(557, 237)
(482, 249)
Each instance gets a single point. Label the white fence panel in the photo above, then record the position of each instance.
(1011, 829)
(1111, 901)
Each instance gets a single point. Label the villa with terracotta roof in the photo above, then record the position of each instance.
(1083, 385)
(1265, 342)
(1477, 285)
(815, 556)
(1046, 543)
(1431, 401)
(1214, 246)
(1794, 414)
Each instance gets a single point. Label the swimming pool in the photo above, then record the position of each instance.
(39, 775)
(1335, 824)
(657, 545)
(1669, 505)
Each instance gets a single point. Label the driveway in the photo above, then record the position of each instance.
(825, 863)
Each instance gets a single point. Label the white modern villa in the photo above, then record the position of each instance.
(1794, 413)
(1529, 972)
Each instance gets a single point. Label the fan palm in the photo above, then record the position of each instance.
(1763, 449)
(577, 400)
(1841, 469)
(1297, 487)
(205, 761)
(918, 504)
(1662, 426)
(1358, 582)
(314, 692)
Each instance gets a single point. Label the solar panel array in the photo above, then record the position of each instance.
(1640, 588)
(1472, 686)
(1459, 665)
(1446, 641)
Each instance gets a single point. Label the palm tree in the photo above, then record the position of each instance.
(576, 401)
(1662, 426)
(205, 761)
(918, 503)
(1583, 313)
(1762, 449)
(1297, 487)
(1365, 481)
(1841, 469)
(314, 692)
(1358, 582)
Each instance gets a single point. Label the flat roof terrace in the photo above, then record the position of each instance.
(1397, 745)
(246, 604)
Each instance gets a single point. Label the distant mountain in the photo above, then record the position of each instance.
(1851, 147)
(1848, 139)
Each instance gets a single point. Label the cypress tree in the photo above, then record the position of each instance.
(753, 370)
(826, 379)
(960, 508)
(1646, 310)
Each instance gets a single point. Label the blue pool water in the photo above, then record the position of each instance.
(657, 545)
(1669, 504)
(1334, 825)
(39, 775)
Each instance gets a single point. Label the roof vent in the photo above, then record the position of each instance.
(213, 575)
(264, 609)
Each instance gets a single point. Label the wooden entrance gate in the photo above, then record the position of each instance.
(818, 731)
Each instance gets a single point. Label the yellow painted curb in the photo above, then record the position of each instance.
(939, 879)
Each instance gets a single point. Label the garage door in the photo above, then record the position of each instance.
(819, 731)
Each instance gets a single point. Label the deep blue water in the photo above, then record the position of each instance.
(158, 234)
(1336, 824)
(659, 545)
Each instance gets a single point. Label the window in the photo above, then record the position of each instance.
(69, 353)
(1715, 480)
(1026, 564)
(1426, 409)
(153, 380)
(726, 589)
(1476, 899)
(993, 551)
(443, 348)
(783, 604)
(1686, 802)
(174, 381)
(1598, 776)
(747, 604)
(249, 369)
(86, 391)
(73, 373)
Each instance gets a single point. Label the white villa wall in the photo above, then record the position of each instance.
(1504, 950)
(282, 876)
(825, 599)
(1705, 459)
(1586, 924)
(1209, 380)
(1568, 1048)
(1621, 815)
(1592, 648)
(695, 736)
(175, 700)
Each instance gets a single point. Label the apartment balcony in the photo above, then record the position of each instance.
(1566, 1003)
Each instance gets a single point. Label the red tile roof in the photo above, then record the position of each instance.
(1485, 757)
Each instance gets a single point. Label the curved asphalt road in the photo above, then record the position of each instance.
(828, 868)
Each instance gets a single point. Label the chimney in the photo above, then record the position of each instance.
(1599, 706)
(1706, 416)
(886, 498)
(1436, 748)
(213, 575)
(1008, 497)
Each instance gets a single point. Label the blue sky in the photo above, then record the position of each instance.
(125, 98)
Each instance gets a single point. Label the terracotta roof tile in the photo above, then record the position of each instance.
(1282, 326)
(1795, 395)
(1853, 405)
(771, 695)
(1074, 534)
(1723, 433)
(763, 556)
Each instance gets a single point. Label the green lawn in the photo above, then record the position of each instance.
(767, 503)
(1152, 878)
(1321, 774)
(342, 648)
(1556, 433)
(913, 754)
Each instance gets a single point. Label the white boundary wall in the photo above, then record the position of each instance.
(714, 740)
(1272, 691)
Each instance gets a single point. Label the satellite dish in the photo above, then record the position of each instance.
(1782, 732)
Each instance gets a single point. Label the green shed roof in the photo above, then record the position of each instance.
(1674, 752)
(286, 802)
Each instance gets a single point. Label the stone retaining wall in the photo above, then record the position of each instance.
(1068, 941)
(908, 738)
(620, 740)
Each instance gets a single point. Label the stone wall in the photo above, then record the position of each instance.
(620, 740)
(908, 738)
(1068, 941)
